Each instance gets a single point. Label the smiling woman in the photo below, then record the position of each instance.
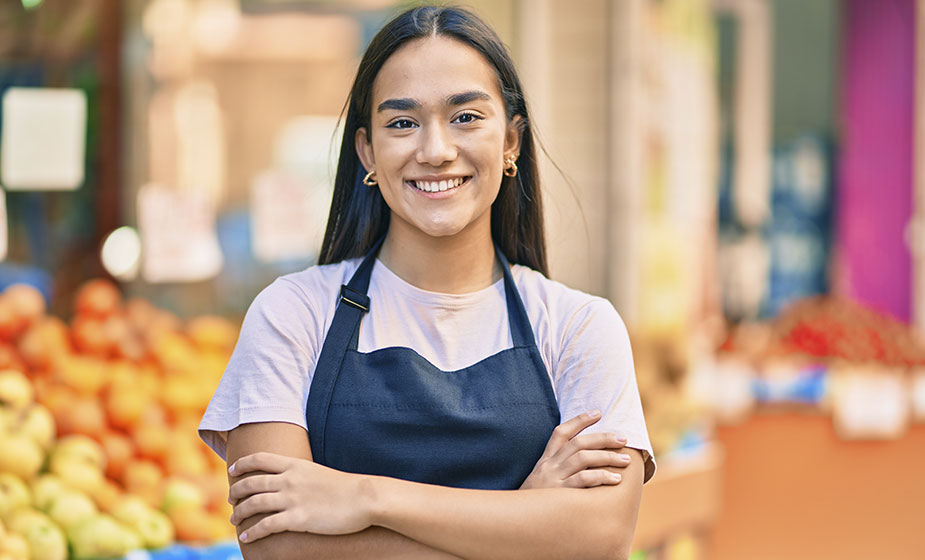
(405, 398)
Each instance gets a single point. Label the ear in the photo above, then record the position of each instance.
(513, 136)
(364, 149)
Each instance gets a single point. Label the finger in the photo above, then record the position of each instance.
(269, 525)
(261, 503)
(569, 429)
(262, 461)
(252, 485)
(588, 441)
(589, 478)
(594, 458)
(604, 440)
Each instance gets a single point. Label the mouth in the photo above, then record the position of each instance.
(439, 186)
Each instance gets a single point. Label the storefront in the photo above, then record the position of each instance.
(738, 177)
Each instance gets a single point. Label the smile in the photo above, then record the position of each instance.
(438, 186)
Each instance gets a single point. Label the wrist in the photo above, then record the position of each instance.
(372, 498)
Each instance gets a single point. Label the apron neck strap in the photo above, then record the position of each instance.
(354, 294)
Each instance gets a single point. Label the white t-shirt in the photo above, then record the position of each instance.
(581, 338)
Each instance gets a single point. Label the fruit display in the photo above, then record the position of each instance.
(830, 329)
(98, 417)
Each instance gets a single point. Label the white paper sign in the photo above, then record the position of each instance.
(178, 238)
(870, 405)
(43, 139)
(284, 224)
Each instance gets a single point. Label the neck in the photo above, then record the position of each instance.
(457, 264)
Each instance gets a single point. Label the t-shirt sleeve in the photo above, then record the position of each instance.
(595, 371)
(267, 377)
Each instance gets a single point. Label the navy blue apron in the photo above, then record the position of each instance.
(391, 412)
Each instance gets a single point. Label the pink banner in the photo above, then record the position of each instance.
(875, 185)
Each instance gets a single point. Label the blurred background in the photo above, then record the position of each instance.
(737, 176)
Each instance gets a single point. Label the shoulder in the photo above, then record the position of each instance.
(553, 301)
(312, 287)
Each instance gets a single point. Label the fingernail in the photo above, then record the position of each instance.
(625, 458)
(231, 469)
(594, 413)
(614, 476)
(621, 440)
(243, 537)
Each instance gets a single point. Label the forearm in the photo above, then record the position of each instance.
(544, 523)
(374, 542)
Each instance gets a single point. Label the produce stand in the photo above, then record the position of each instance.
(684, 498)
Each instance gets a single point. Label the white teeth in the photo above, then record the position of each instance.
(437, 186)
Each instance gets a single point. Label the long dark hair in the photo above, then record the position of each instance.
(359, 215)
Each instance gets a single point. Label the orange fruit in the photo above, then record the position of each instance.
(11, 325)
(26, 301)
(107, 495)
(89, 336)
(192, 524)
(125, 406)
(187, 460)
(9, 357)
(152, 441)
(212, 332)
(84, 374)
(144, 479)
(119, 450)
(44, 343)
(79, 415)
(97, 297)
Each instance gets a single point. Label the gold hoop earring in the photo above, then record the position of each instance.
(511, 169)
(370, 179)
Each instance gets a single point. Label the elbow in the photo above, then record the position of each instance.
(617, 549)
(272, 547)
(614, 541)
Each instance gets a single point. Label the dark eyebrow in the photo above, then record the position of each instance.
(408, 104)
(403, 104)
(467, 97)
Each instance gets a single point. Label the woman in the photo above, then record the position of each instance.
(401, 400)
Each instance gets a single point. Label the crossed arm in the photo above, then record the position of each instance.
(288, 506)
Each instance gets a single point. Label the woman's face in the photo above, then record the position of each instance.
(438, 138)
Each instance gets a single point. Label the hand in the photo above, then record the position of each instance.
(573, 461)
(299, 495)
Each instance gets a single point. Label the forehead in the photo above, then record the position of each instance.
(432, 68)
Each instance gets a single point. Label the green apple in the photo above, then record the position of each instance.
(180, 493)
(21, 455)
(15, 389)
(14, 547)
(154, 528)
(14, 494)
(70, 508)
(83, 448)
(101, 536)
(45, 489)
(37, 422)
(46, 540)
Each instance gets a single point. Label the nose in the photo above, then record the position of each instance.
(437, 146)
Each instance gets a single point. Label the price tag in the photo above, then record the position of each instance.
(43, 139)
(287, 217)
(178, 238)
(870, 404)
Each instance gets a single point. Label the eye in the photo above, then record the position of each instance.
(401, 124)
(466, 118)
